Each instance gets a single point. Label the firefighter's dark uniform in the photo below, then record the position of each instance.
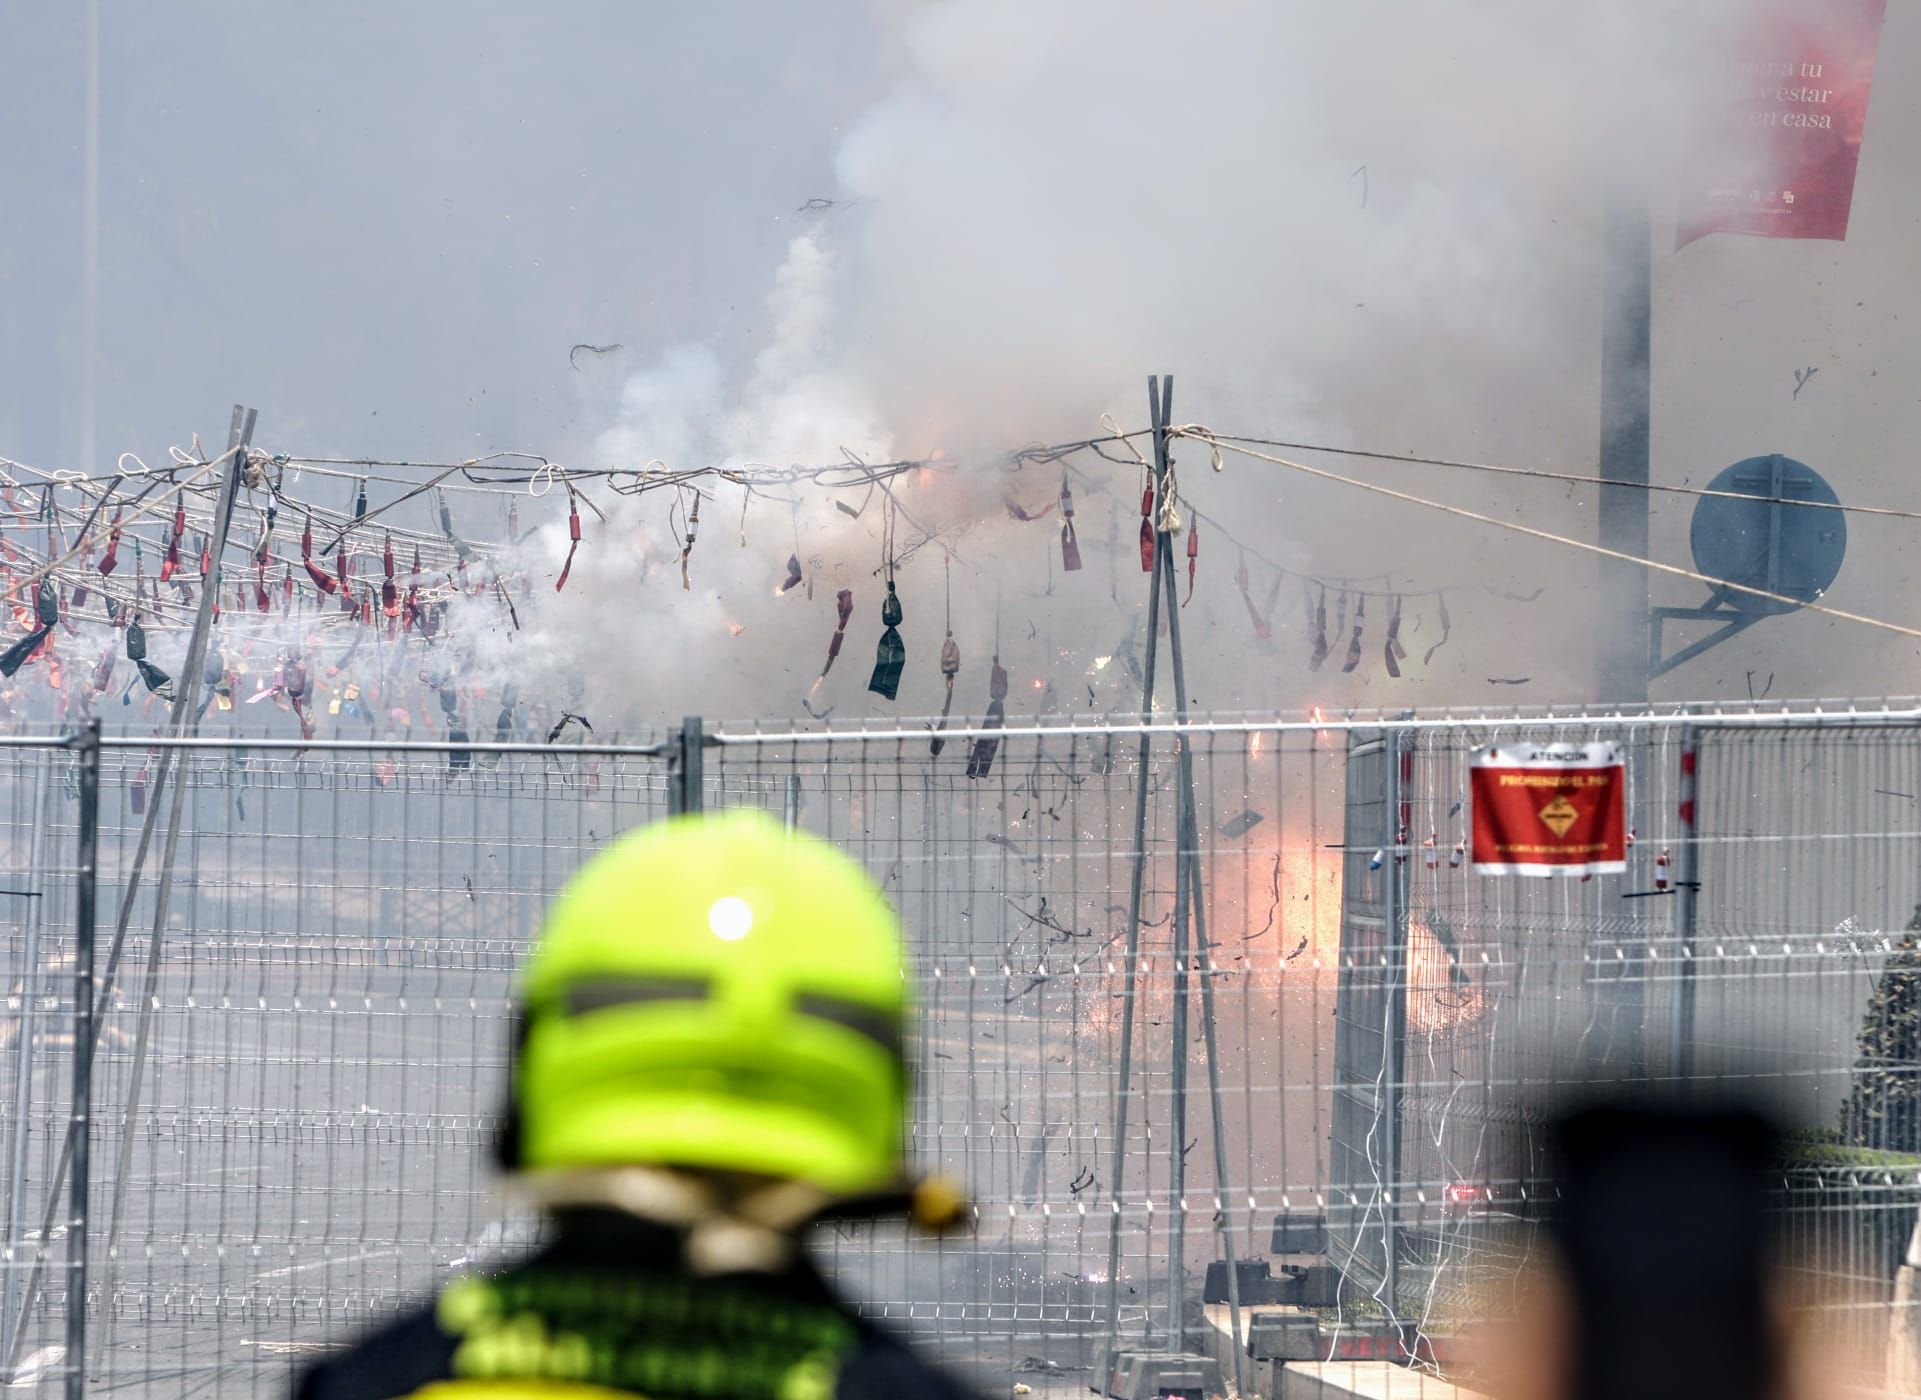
(606, 1311)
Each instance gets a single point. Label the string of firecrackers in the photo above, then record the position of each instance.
(1156, 516)
(411, 601)
(177, 525)
(194, 502)
(183, 516)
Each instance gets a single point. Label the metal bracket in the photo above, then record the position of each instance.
(1733, 620)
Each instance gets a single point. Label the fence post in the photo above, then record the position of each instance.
(684, 794)
(1399, 757)
(15, 1318)
(86, 749)
(790, 804)
(1687, 886)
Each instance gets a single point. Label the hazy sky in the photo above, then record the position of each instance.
(1369, 223)
(385, 224)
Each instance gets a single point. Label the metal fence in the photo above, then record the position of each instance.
(1760, 943)
(301, 1032)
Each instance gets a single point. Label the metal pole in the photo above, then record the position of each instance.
(23, 1077)
(1394, 1037)
(1190, 858)
(1687, 886)
(1177, 1049)
(1130, 959)
(685, 796)
(87, 750)
(177, 717)
(1626, 340)
(790, 803)
(186, 720)
(90, 245)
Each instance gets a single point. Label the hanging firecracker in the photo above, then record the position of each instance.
(1393, 652)
(321, 578)
(1261, 628)
(687, 549)
(158, 681)
(213, 677)
(844, 609)
(1193, 556)
(980, 761)
(171, 560)
(461, 552)
(46, 604)
(1318, 622)
(360, 500)
(890, 658)
(573, 540)
(1440, 603)
(1147, 528)
(1354, 642)
(1070, 542)
(111, 559)
(950, 662)
(1661, 870)
(1457, 855)
(297, 686)
(793, 579)
(410, 608)
(389, 592)
(1024, 515)
(103, 671)
(262, 600)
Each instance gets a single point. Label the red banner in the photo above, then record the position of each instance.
(1549, 809)
(1779, 134)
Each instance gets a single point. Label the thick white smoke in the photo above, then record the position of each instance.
(1365, 223)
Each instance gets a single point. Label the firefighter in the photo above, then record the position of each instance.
(708, 1062)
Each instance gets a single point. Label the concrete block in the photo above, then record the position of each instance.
(1150, 1375)
(1299, 1232)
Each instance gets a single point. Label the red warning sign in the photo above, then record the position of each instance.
(1549, 809)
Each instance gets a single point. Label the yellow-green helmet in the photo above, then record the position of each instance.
(717, 992)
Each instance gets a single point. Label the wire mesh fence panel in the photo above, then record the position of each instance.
(1771, 961)
(38, 802)
(1013, 862)
(307, 1010)
(301, 1066)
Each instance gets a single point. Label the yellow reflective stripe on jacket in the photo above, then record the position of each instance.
(519, 1390)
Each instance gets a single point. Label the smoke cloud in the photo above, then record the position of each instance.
(1354, 225)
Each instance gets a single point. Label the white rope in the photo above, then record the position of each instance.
(1201, 434)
